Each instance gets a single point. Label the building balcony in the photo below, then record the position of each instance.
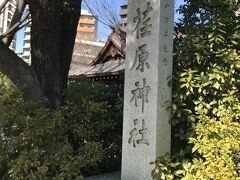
(26, 45)
(13, 3)
(26, 53)
(123, 12)
(87, 21)
(27, 37)
(86, 29)
(11, 12)
(123, 21)
(27, 29)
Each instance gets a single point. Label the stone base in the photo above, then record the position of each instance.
(108, 176)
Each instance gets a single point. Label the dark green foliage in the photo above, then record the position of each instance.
(35, 144)
(8, 92)
(205, 94)
(105, 124)
(76, 139)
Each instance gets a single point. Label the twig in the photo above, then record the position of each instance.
(16, 19)
(2, 6)
(15, 27)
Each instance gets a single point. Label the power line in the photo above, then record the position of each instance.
(90, 9)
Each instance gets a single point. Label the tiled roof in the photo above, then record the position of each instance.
(110, 60)
(111, 67)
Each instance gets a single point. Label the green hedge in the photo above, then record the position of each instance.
(80, 138)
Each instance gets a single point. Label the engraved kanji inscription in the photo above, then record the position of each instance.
(140, 93)
(145, 30)
(169, 81)
(165, 33)
(142, 22)
(166, 105)
(167, 5)
(165, 61)
(137, 20)
(166, 20)
(141, 58)
(165, 48)
(135, 133)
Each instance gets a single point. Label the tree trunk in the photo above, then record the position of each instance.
(53, 31)
(69, 23)
(20, 73)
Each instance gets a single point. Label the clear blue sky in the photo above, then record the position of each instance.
(103, 30)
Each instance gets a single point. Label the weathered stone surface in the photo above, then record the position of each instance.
(147, 96)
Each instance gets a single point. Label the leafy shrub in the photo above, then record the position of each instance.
(8, 92)
(206, 64)
(217, 142)
(217, 148)
(36, 143)
(105, 125)
(205, 94)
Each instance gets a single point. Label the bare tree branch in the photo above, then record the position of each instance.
(106, 11)
(15, 27)
(24, 25)
(2, 6)
(15, 20)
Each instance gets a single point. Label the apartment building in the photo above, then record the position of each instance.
(26, 52)
(123, 17)
(5, 19)
(86, 30)
(87, 27)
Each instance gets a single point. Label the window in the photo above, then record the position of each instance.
(9, 16)
(10, 8)
(86, 25)
(8, 23)
(27, 41)
(87, 17)
(13, 2)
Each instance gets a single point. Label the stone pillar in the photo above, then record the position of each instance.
(148, 92)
